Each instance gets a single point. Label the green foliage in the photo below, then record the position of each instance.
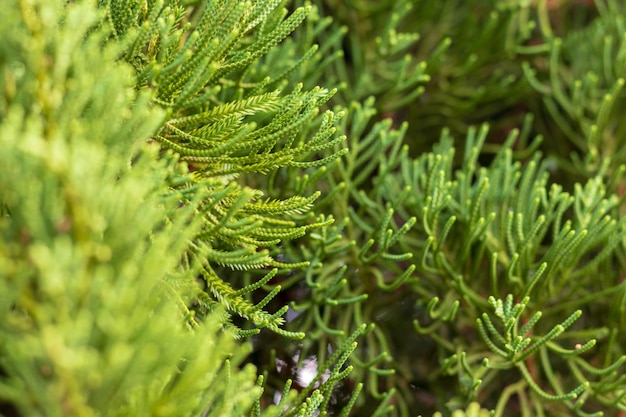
(287, 208)
(432, 238)
(473, 410)
(579, 97)
(224, 121)
(95, 314)
(91, 321)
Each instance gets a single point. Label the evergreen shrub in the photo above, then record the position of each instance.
(302, 208)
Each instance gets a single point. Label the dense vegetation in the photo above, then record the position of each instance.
(301, 208)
